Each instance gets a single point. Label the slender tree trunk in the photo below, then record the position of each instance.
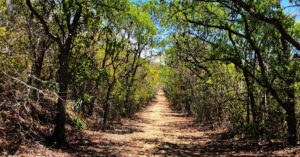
(106, 107)
(36, 67)
(251, 97)
(134, 67)
(128, 91)
(188, 106)
(250, 90)
(248, 111)
(126, 102)
(40, 59)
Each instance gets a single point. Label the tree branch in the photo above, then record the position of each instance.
(43, 22)
(273, 21)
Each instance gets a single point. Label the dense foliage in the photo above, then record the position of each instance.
(88, 57)
(230, 63)
(235, 61)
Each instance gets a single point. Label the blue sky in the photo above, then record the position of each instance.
(294, 11)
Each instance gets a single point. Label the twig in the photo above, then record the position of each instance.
(29, 86)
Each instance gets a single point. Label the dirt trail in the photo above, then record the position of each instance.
(156, 131)
(159, 131)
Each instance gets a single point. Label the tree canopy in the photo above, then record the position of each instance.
(86, 64)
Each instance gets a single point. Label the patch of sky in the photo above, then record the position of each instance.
(291, 9)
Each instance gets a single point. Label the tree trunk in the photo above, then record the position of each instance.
(250, 90)
(130, 83)
(248, 111)
(188, 106)
(291, 123)
(290, 111)
(251, 98)
(36, 69)
(60, 118)
(106, 107)
(37, 65)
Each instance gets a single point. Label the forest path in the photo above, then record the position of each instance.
(160, 131)
(155, 131)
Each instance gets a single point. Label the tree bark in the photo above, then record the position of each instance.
(106, 107)
(251, 98)
(60, 118)
(37, 65)
(291, 123)
(188, 105)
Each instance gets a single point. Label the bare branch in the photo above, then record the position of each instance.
(29, 86)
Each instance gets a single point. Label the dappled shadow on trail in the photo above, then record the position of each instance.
(217, 148)
(159, 131)
(123, 129)
(90, 143)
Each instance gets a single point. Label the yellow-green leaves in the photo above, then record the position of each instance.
(2, 31)
(142, 20)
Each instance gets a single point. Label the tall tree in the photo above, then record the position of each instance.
(247, 25)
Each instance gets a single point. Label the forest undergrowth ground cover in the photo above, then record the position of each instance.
(157, 131)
